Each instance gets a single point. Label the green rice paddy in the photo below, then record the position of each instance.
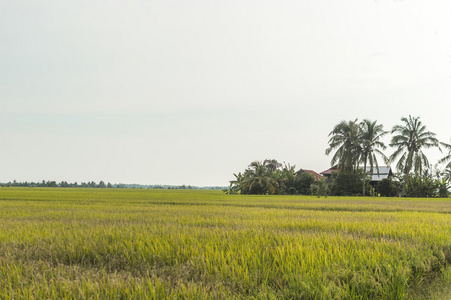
(184, 244)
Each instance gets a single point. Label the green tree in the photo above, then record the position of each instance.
(295, 183)
(305, 182)
(447, 174)
(409, 140)
(272, 165)
(259, 179)
(51, 184)
(320, 187)
(447, 159)
(345, 139)
(347, 184)
(268, 177)
(236, 186)
(422, 186)
(443, 188)
(289, 181)
(387, 187)
(371, 134)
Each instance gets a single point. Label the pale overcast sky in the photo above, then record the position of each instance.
(189, 92)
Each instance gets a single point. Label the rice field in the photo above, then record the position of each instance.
(185, 244)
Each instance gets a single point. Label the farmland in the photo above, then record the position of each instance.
(119, 243)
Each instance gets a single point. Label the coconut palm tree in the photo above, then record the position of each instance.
(272, 165)
(289, 180)
(345, 139)
(371, 134)
(259, 179)
(409, 140)
(447, 158)
(447, 174)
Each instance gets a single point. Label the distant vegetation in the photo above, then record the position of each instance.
(101, 184)
(270, 177)
(354, 146)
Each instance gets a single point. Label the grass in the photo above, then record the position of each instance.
(155, 244)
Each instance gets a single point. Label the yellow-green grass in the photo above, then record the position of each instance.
(119, 243)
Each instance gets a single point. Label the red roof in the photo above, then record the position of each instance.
(329, 171)
(317, 176)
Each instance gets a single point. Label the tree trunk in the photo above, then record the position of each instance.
(404, 184)
(408, 167)
(364, 178)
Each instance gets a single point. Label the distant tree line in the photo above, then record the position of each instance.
(355, 147)
(52, 183)
(102, 184)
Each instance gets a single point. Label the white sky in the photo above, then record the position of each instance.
(189, 92)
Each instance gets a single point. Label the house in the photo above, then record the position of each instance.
(384, 172)
(328, 172)
(311, 172)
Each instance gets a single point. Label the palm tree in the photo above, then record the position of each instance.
(447, 174)
(370, 139)
(259, 179)
(345, 139)
(272, 165)
(437, 172)
(289, 180)
(409, 140)
(447, 158)
(237, 185)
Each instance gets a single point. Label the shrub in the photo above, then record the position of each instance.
(387, 187)
(348, 184)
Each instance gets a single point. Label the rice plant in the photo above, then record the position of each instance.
(160, 244)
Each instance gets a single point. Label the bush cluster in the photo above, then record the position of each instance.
(273, 178)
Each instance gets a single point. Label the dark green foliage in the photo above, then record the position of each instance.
(260, 179)
(236, 185)
(345, 140)
(421, 186)
(269, 178)
(447, 158)
(305, 180)
(426, 186)
(370, 141)
(320, 187)
(356, 143)
(52, 184)
(288, 181)
(348, 184)
(410, 140)
(443, 188)
(388, 188)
